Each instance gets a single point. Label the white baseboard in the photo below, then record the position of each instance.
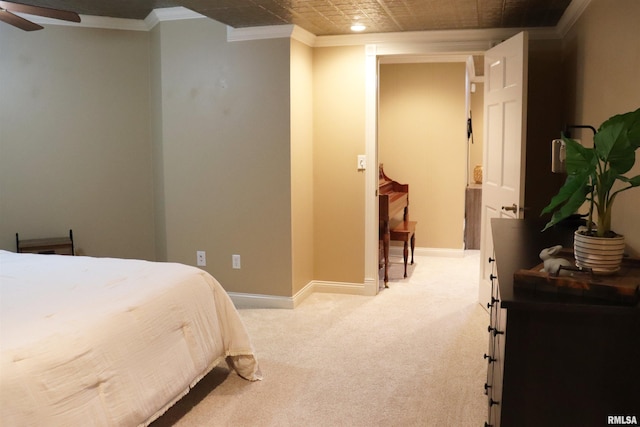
(436, 252)
(338, 287)
(241, 300)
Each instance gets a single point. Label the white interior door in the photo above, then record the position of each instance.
(505, 100)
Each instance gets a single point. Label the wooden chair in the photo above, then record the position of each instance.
(52, 245)
(405, 232)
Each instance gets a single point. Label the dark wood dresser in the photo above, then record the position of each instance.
(555, 359)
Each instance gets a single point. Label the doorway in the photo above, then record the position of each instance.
(422, 140)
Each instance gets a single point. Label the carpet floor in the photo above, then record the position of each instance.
(410, 356)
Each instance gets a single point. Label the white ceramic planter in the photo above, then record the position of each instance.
(603, 255)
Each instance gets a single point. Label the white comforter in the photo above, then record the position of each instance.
(109, 342)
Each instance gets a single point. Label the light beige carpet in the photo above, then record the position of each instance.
(410, 356)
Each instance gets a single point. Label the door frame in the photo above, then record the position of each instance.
(437, 47)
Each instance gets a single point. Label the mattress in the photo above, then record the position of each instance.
(109, 342)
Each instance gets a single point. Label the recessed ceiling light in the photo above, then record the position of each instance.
(358, 27)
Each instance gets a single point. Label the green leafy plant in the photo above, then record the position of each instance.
(593, 172)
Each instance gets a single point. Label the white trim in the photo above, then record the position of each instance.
(303, 293)
(368, 288)
(371, 237)
(271, 32)
(440, 40)
(90, 21)
(304, 36)
(242, 300)
(419, 59)
(338, 287)
(259, 33)
(571, 15)
(109, 23)
(170, 14)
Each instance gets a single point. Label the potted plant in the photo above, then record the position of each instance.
(596, 176)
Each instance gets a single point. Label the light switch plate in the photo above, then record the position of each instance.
(362, 162)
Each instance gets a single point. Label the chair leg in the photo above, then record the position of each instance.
(413, 245)
(405, 254)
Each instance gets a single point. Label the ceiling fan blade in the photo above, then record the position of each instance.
(19, 22)
(40, 11)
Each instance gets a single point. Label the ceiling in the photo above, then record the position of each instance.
(334, 17)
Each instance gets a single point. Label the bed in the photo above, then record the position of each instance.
(109, 342)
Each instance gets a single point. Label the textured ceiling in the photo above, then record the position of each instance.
(332, 17)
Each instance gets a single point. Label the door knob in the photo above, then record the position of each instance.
(513, 208)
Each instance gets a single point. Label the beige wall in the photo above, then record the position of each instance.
(602, 59)
(338, 138)
(226, 145)
(301, 164)
(74, 139)
(96, 124)
(422, 142)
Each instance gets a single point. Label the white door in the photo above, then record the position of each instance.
(505, 117)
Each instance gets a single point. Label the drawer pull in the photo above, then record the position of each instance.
(492, 277)
(486, 388)
(493, 402)
(491, 360)
(493, 301)
(495, 331)
(486, 424)
(491, 260)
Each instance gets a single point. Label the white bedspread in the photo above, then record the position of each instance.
(109, 342)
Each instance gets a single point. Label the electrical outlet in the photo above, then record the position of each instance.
(235, 261)
(201, 258)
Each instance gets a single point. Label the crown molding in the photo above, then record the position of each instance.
(271, 32)
(304, 36)
(419, 59)
(571, 15)
(259, 33)
(170, 14)
(90, 21)
(439, 41)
